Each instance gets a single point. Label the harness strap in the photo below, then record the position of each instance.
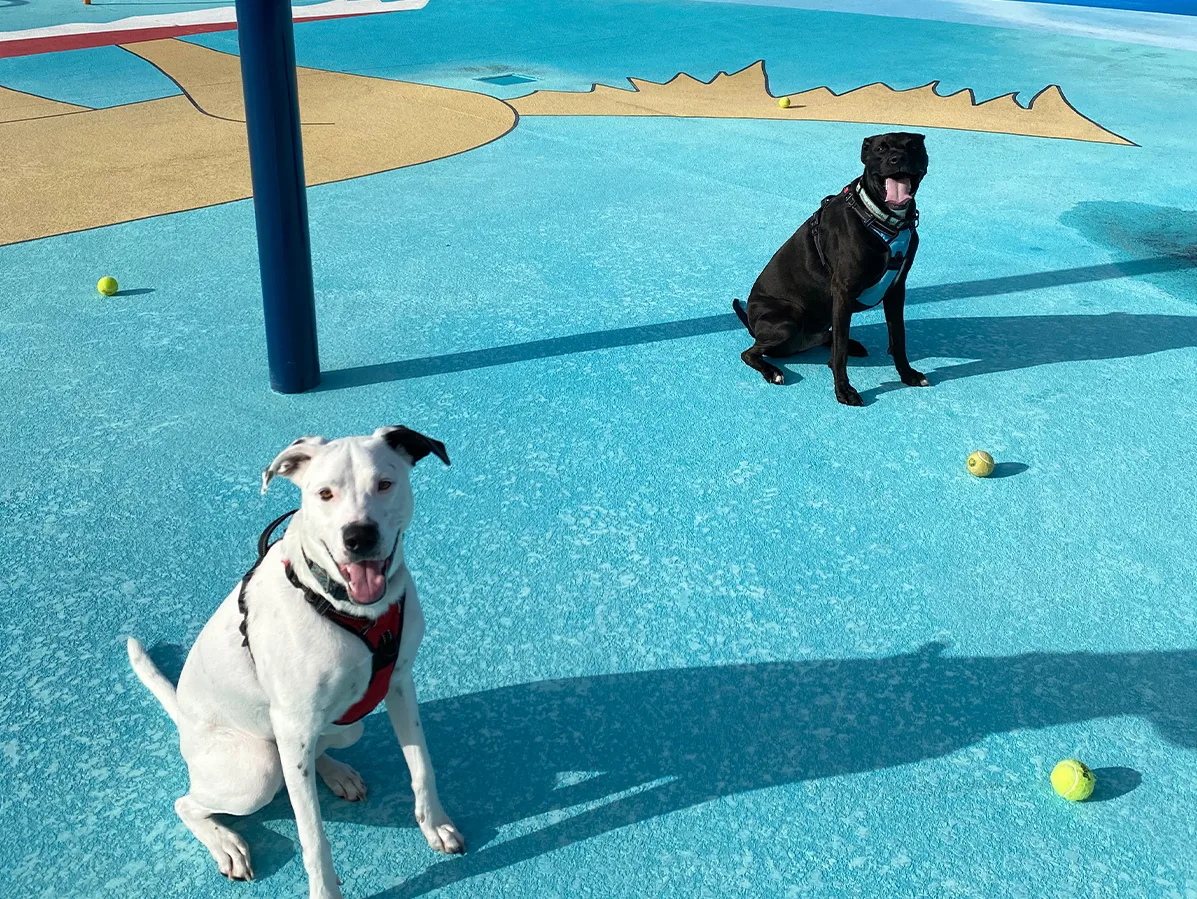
(358, 626)
(243, 607)
(327, 584)
(264, 541)
(814, 231)
(387, 630)
(881, 222)
(264, 545)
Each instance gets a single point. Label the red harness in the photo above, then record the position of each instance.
(380, 635)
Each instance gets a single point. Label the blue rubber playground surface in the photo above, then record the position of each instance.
(689, 634)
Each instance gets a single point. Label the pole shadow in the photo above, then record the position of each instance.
(428, 366)
(998, 344)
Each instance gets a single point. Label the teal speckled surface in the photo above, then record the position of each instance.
(689, 634)
(98, 77)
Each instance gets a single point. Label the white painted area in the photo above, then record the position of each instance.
(1127, 26)
(221, 15)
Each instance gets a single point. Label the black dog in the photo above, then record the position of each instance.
(852, 254)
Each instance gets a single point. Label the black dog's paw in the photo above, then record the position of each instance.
(912, 378)
(774, 375)
(856, 348)
(848, 396)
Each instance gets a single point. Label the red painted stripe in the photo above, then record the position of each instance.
(34, 45)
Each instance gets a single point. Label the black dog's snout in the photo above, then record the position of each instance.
(361, 537)
(895, 160)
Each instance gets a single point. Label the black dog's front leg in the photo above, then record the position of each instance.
(841, 321)
(895, 319)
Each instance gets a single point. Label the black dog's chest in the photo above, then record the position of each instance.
(897, 247)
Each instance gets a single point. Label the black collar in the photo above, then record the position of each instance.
(329, 587)
(320, 603)
(334, 589)
(879, 216)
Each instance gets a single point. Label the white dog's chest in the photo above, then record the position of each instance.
(298, 660)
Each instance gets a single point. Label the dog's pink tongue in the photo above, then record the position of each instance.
(366, 581)
(897, 191)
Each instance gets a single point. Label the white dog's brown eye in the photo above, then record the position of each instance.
(384, 485)
(326, 494)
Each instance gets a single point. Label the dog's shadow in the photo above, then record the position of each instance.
(578, 757)
(571, 759)
(1009, 343)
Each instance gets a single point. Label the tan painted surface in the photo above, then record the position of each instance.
(69, 168)
(103, 166)
(745, 95)
(16, 106)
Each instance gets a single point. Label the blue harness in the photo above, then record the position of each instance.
(898, 245)
(895, 231)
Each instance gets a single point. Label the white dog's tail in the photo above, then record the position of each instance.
(155, 680)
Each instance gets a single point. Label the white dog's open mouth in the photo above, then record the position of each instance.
(365, 581)
(897, 191)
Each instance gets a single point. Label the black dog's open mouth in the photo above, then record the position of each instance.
(897, 191)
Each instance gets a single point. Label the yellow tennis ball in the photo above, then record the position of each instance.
(980, 464)
(107, 286)
(784, 102)
(1073, 780)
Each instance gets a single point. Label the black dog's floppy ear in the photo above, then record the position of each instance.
(411, 443)
(865, 149)
(291, 462)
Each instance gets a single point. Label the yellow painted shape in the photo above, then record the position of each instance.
(18, 106)
(745, 95)
(105, 166)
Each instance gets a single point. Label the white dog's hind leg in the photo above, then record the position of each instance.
(232, 773)
(226, 846)
(341, 778)
(404, 713)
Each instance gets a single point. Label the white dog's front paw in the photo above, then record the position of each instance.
(341, 778)
(447, 839)
(438, 830)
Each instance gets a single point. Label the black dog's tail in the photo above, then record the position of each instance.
(741, 314)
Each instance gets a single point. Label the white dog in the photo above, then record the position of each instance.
(321, 629)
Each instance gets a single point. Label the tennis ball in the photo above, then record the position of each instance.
(784, 102)
(107, 286)
(980, 464)
(1073, 780)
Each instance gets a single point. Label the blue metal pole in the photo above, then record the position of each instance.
(267, 39)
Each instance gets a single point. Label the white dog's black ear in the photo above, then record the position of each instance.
(291, 462)
(411, 443)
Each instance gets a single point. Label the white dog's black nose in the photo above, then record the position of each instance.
(361, 537)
